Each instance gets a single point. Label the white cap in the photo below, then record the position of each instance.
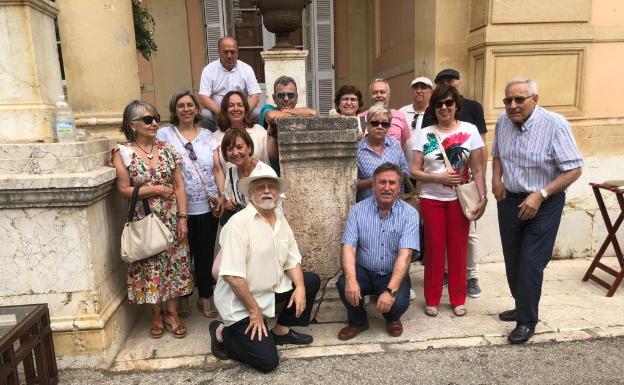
(424, 80)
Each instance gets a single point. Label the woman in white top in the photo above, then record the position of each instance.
(348, 102)
(204, 185)
(235, 114)
(446, 227)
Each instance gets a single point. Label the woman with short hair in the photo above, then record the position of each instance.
(376, 148)
(153, 164)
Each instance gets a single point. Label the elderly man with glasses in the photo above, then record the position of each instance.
(535, 160)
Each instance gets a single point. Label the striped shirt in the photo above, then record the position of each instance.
(536, 153)
(378, 239)
(368, 161)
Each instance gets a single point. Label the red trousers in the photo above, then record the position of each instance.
(446, 233)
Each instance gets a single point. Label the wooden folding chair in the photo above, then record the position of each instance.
(612, 229)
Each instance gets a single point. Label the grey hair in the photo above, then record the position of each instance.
(530, 85)
(388, 166)
(377, 109)
(133, 111)
(378, 80)
(284, 81)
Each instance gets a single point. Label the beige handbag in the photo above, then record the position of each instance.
(146, 237)
(468, 194)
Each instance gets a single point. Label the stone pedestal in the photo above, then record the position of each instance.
(60, 225)
(101, 67)
(286, 62)
(30, 77)
(318, 158)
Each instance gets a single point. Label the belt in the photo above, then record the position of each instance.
(520, 195)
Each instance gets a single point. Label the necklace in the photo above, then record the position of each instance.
(149, 154)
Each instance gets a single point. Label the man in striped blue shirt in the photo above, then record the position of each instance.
(377, 244)
(535, 159)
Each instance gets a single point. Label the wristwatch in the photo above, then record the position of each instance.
(392, 292)
(182, 215)
(543, 193)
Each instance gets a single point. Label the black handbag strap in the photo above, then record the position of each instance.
(133, 202)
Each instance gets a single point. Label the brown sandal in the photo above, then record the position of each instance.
(157, 330)
(205, 307)
(176, 328)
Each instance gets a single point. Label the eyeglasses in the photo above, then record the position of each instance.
(416, 115)
(347, 99)
(377, 123)
(268, 186)
(518, 99)
(182, 106)
(448, 103)
(282, 95)
(189, 147)
(148, 119)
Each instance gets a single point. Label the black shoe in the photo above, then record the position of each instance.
(445, 281)
(217, 347)
(292, 337)
(520, 334)
(508, 315)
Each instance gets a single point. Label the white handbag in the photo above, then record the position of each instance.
(146, 237)
(468, 194)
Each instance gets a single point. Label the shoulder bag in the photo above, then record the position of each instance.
(146, 237)
(468, 194)
(227, 214)
(412, 196)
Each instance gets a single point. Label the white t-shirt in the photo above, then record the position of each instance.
(410, 114)
(458, 145)
(216, 81)
(204, 146)
(258, 137)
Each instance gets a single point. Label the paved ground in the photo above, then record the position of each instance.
(567, 363)
(570, 310)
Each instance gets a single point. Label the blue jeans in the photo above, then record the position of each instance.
(527, 248)
(372, 283)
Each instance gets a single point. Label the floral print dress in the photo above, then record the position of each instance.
(166, 275)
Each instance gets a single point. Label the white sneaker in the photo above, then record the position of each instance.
(412, 294)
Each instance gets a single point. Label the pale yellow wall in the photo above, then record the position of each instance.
(573, 49)
(172, 62)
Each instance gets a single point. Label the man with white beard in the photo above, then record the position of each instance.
(261, 264)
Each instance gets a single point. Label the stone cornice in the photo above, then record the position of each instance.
(44, 6)
(56, 190)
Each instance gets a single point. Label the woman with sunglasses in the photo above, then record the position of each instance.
(204, 182)
(152, 164)
(376, 148)
(235, 114)
(446, 227)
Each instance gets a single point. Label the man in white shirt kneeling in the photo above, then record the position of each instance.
(260, 271)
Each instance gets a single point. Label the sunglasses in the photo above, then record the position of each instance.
(448, 103)
(416, 115)
(191, 151)
(377, 123)
(282, 95)
(518, 99)
(148, 119)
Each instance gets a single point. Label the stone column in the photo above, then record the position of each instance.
(286, 62)
(100, 60)
(318, 158)
(30, 77)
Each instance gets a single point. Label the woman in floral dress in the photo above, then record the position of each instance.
(153, 164)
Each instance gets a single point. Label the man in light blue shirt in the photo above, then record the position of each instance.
(535, 159)
(377, 244)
